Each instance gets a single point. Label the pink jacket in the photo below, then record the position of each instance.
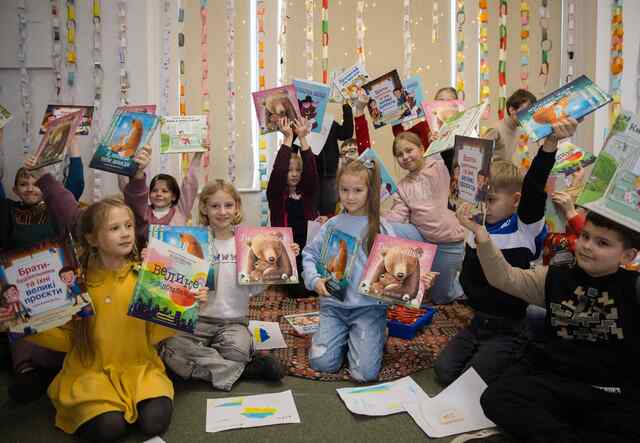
(422, 201)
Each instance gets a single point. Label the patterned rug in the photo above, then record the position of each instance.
(401, 357)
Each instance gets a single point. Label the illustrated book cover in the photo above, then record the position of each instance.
(273, 104)
(350, 81)
(58, 136)
(438, 112)
(463, 123)
(413, 93)
(56, 111)
(571, 158)
(337, 255)
(388, 186)
(313, 98)
(5, 116)
(183, 133)
(388, 100)
(304, 324)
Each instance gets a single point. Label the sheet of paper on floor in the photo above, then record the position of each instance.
(382, 399)
(251, 411)
(266, 335)
(455, 410)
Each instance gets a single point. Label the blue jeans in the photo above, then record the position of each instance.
(358, 332)
(447, 262)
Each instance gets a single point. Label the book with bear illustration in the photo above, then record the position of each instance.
(168, 282)
(576, 99)
(58, 136)
(41, 288)
(438, 112)
(56, 111)
(313, 98)
(264, 256)
(273, 104)
(183, 133)
(128, 133)
(463, 123)
(395, 270)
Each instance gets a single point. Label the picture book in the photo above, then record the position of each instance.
(59, 134)
(168, 281)
(575, 99)
(264, 256)
(395, 270)
(471, 172)
(266, 335)
(42, 288)
(145, 109)
(413, 92)
(438, 112)
(571, 158)
(313, 98)
(463, 123)
(56, 111)
(554, 218)
(337, 255)
(304, 324)
(5, 116)
(613, 188)
(350, 81)
(129, 132)
(251, 411)
(388, 100)
(183, 133)
(382, 399)
(335, 96)
(273, 104)
(388, 186)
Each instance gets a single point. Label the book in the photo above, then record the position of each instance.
(191, 239)
(56, 111)
(42, 287)
(438, 112)
(463, 123)
(145, 109)
(571, 158)
(337, 255)
(59, 134)
(471, 173)
(168, 281)
(313, 98)
(183, 133)
(128, 133)
(414, 95)
(266, 335)
(350, 81)
(264, 256)
(5, 116)
(393, 273)
(388, 186)
(613, 188)
(388, 100)
(273, 104)
(335, 96)
(304, 324)
(555, 220)
(575, 99)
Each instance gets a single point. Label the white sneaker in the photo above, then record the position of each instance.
(479, 434)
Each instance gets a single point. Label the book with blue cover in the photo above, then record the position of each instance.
(414, 96)
(312, 100)
(388, 186)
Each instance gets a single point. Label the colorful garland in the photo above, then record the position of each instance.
(502, 61)
(282, 44)
(617, 59)
(325, 41)
(435, 22)
(262, 142)
(56, 47)
(98, 77)
(408, 43)
(204, 75)
(122, 52)
(483, 19)
(308, 40)
(72, 55)
(360, 29)
(25, 80)
(230, 19)
(524, 44)
(184, 158)
(460, 20)
(571, 40)
(165, 77)
(545, 42)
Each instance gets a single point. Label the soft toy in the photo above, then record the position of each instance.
(398, 273)
(268, 260)
(126, 148)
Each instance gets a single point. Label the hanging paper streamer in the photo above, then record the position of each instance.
(360, 29)
(545, 42)
(524, 44)
(617, 60)
(502, 60)
(25, 80)
(72, 55)
(184, 158)
(408, 43)
(56, 48)
(204, 87)
(98, 77)
(282, 43)
(460, 20)
(571, 40)
(262, 142)
(435, 20)
(165, 77)
(308, 39)
(230, 19)
(325, 41)
(122, 52)
(483, 19)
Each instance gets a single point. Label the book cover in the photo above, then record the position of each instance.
(182, 133)
(42, 287)
(463, 123)
(414, 97)
(438, 112)
(59, 134)
(350, 81)
(388, 186)
(56, 111)
(304, 324)
(191, 239)
(388, 100)
(129, 132)
(575, 99)
(471, 172)
(395, 268)
(273, 104)
(554, 218)
(335, 96)
(313, 98)
(264, 256)
(571, 158)
(168, 281)
(5, 116)
(613, 189)
(337, 255)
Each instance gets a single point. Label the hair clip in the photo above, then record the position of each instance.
(367, 163)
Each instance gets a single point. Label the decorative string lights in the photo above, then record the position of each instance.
(72, 55)
(502, 60)
(282, 43)
(571, 40)
(165, 77)
(617, 60)
(545, 42)
(408, 43)
(204, 77)
(98, 77)
(325, 41)
(524, 44)
(56, 47)
(435, 22)
(460, 20)
(483, 19)
(230, 19)
(360, 30)
(262, 142)
(25, 80)
(308, 39)
(122, 52)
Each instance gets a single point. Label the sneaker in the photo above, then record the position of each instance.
(30, 385)
(484, 436)
(264, 367)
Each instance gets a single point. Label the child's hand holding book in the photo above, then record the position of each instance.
(202, 295)
(465, 214)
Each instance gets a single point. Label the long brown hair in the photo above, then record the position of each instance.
(370, 172)
(210, 189)
(92, 220)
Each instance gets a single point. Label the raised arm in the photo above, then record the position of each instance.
(277, 185)
(309, 182)
(345, 130)
(136, 192)
(189, 189)
(75, 177)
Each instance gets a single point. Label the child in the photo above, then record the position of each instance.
(293, 188)
(516, 221)
(581, 384)
(422, 200)
(221, 349)
(355, 326)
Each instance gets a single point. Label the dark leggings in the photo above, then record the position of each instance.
(154, 416)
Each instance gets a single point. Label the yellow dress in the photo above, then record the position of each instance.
(126, 368)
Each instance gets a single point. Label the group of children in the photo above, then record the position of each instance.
(570, 386)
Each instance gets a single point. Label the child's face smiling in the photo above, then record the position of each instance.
(221, 210)
(116, 237)
(11, 295)
(600, 251)
(353, 193)
(295, 173)
(161, 196)
(409, 156)
(27, 191)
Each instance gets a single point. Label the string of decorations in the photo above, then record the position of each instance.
(435, 22)
(524, 44)
(638, 85)
(308, 39)
(163, 104)
(571, 40)
(230, 19)
(460, 20)
(72, 55)
(262, 142)
(502, 60)
(56, 48)
(25, 80)
(282, 44)
(617, 60)
(545, 42)
(122, 52)
(483, 19)
(360, 30)
(182, 104)
(408, 43)
(204, 86)
(98, 77)
(325, 41)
